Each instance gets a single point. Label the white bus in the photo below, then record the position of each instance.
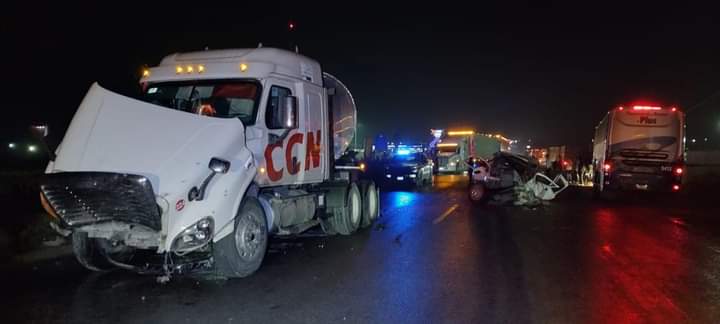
(639, 148)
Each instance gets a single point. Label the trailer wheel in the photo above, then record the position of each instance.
(241, 253)
(346, 220)
(88, 252)
(370, 202)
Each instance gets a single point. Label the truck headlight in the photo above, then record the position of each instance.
(194, 236)
(414, 169)
(413, 175)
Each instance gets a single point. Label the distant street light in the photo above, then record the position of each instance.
(32, 148)
(11, 145)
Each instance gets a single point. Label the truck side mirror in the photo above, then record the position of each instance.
(219, 165)
(288, 113)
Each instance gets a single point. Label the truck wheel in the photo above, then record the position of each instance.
(87, 252)
(241, 253)
(370, 202)
(347, 220)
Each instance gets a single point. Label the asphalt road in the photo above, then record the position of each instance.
(432, 258)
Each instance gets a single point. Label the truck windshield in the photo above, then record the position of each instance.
(215, 98)
(447, 149)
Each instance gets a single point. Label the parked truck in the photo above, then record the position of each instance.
(223, 149)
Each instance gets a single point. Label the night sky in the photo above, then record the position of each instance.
(546, 72)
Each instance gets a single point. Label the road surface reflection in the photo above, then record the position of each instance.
(635, 271)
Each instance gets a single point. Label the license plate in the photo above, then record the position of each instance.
(400, 178)
(643, 169)
(641, 186)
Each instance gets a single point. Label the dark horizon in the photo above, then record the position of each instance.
(544, 72)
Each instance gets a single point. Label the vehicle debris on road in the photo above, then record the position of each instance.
(509, 178)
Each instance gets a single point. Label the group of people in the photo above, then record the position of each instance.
(580, 173)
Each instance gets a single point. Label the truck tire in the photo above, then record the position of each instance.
(346, 221)
(241, 253)
(88, 252)
(370, 202)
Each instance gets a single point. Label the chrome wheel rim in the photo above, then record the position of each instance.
(250, 237)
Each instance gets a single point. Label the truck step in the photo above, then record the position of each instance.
(297, 229)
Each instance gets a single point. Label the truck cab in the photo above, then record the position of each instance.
(223, 149)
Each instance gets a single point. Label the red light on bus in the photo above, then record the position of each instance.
(607, 167)
(673, 109)
(646, 108)
(678, 171)
(676, 187)
(621, 108)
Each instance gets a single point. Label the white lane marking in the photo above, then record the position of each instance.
(446, 214)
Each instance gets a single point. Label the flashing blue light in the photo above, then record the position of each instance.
(403, 152)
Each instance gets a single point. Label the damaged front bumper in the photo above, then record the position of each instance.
(123, 208)
(78, 199)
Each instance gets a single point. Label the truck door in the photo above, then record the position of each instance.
(284, 153)
(315, 161)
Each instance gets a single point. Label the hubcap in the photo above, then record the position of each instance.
(249, 237)
(476, 193)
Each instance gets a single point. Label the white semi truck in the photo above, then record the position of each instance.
(225, 148)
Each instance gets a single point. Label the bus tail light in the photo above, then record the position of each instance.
(607, 166)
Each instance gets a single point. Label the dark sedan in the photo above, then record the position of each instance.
(410, 169)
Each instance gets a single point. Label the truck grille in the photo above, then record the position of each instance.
(82, 198)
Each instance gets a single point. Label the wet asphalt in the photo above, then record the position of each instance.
(432, 258)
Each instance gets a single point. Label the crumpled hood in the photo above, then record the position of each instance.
(114, 133)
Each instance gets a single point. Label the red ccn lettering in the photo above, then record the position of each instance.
(273, 174)
(291, 161)
(313, 150)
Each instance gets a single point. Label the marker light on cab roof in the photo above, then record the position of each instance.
(201, 68)
(178, 69)
(243, 67)
(145, 73)
(189, 69)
